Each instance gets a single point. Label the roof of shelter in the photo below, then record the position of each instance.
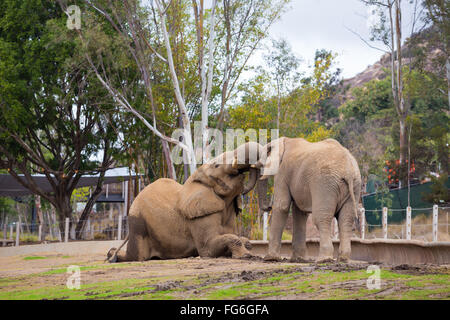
(10, 187)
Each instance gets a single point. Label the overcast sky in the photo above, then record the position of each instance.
(316, 24)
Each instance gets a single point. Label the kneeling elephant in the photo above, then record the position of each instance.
(168, 220)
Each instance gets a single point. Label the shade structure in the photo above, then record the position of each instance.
(10, 187)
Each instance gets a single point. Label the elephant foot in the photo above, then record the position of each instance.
(271, 257)
(300, 260)
(111, 256)
(343, 259)
(242, 255)
(249, 256)
(324, 260)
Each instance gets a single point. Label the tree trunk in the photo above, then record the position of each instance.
(447, 65)
(64, 210)
(167, 156)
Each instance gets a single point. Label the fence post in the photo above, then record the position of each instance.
(385, 230)
(435, 223)
(17, 233)
(408, 223)
(88, 228)
(335, 229)
(119, 231)
(125, 202)
(363, 223)
(5, 228)
(265, 215)
(40, 232)
(66, 230)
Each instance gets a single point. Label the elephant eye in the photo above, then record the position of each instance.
(217, 165)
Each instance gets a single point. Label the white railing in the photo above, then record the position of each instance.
(114, 228)
(425, 231)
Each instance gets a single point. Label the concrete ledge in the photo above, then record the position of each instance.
(377, 250)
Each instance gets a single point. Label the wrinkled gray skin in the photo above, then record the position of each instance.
(321, 179)
(168, 220)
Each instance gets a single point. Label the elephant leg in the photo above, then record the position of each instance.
(281, 204)
(226, 243)
(345, 222)
(138, 246)
(322, 218)
(299, 235)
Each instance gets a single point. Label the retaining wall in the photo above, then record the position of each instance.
(387, 251)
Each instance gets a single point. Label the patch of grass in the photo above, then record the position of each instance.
(100, 290)
(425, 294)
(34, 258)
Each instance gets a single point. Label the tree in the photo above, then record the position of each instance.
(293, 110)
(283, 66)
(46, 123)
(389, 31)
(438, 11)
(159, 38)
(245, 26)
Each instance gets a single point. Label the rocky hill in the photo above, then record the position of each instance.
(418, 50)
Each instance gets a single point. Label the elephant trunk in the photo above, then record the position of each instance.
(263, 202)
(252, 178)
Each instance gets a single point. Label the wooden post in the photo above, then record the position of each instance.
(66, 230)
(125, 202)
(17, 233)
(88, 228)
(265, 216)
(408, 223)
(92, 232)
(10, 232)
(363, 223)
(435, 223)
(5, 228)
(119, 231)
(385, 230)
(40, 232)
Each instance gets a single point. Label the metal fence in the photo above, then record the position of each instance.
(95, 228)
(424, 224)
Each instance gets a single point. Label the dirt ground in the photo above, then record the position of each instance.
(46, 277)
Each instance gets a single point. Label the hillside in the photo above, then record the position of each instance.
(418, 46)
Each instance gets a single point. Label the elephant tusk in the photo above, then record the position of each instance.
(234, 165)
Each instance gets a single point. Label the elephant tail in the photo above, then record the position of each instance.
(351, 190)
(113, 258)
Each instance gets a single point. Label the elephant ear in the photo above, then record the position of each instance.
(200, 202)
(198, 199)
(273, 152)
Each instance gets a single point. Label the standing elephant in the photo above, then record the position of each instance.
(320, 178)
(169, 220)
